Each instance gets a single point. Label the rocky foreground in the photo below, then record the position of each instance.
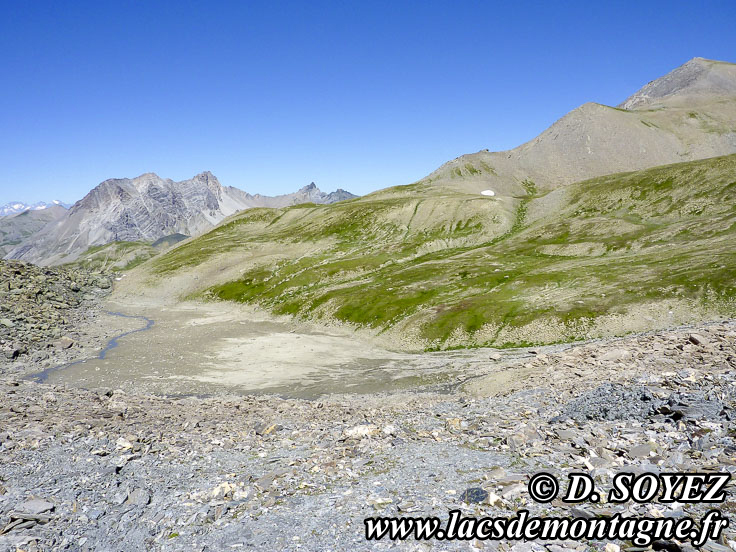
(105, 470)
(40, 306)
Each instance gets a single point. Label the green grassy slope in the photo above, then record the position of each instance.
(435, 268)
(124, 255)
(121, 255)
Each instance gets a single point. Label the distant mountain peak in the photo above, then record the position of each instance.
(206, 175)
(698, 77)
(14, 207)
(147, 208)
(311, 193)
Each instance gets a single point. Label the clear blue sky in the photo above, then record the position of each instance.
(272, 95)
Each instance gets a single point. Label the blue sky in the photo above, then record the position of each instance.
(270, 96)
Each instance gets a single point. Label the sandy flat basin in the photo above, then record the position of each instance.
(206, 348)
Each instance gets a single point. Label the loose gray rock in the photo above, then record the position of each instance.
(612, 401)
(474, 495)
(36, 506)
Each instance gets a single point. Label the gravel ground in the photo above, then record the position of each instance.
(101, 469)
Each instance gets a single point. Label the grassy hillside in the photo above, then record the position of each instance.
(124, 255)
(433, 267)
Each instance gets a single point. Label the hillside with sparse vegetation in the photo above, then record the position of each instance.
(431, 267)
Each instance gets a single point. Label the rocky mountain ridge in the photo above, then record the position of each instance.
(686, 115)
(698, 77)
(148, 208)
(543, 243)
(308, 194)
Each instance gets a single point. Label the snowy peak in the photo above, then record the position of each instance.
(15, 207)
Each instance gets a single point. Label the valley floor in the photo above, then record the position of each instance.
(209, 348)
(112, 469)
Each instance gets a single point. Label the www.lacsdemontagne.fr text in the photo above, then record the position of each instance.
(642, 531)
